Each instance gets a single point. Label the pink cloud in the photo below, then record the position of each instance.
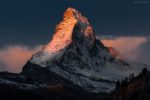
(14, 57)
(127, 46)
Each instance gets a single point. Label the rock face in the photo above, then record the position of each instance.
(75, 54)
(115, 53)
(73, 29)
(74, 60)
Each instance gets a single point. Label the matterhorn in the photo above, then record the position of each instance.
(75, 59)
(76, 55)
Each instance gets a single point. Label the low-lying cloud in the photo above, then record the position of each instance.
(12, 58)
(132, 48)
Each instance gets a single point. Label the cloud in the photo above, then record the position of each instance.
(144, 54)
(12, 58)
(132, 48)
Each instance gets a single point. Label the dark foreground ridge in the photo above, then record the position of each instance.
(136, 88)
(25, 86)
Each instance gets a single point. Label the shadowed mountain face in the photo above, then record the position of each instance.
(73, 64)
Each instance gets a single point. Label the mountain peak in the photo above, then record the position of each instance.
(75, 54)
(72, 13)
(69, 13)
(73, 27)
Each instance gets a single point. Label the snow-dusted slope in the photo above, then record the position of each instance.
(63, 36)
(75, 54)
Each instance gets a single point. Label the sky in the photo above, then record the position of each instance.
(25, 25)
(32, 22)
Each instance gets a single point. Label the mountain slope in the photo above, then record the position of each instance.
(75, 54)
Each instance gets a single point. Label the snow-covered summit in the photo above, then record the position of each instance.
(73, 28)
(75, 54)
(64, 34)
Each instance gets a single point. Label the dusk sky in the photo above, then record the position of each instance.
(25, 25)
(32, 22)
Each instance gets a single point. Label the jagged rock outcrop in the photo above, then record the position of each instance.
(75, 54)
(74, 62)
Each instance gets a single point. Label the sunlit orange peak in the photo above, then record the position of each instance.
(63, 33)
